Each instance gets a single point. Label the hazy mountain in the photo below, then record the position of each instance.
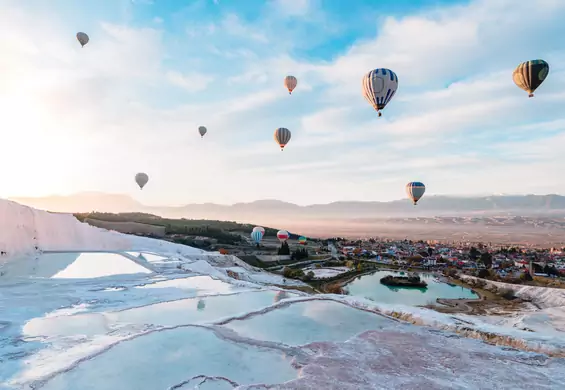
(535, 219)
(428, 206)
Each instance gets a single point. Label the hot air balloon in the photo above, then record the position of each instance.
(379, 86)
(415, 191)
(282, 235)
(282, 137)
(256, 236)
(202, 130)
(530, 74)
(259, 229)
(290, 83)
(141, 179)
(302, 240)
(82, 38)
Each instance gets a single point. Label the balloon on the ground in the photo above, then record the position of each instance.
(202, 130)
(82, 38)
(141, 179)
(282, 137)
(530, 74)
(282, 235)
(379, 86)
(290, 83)
(256, 236)
(259, 229)
(415, 191)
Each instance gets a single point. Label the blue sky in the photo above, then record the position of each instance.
(132, 99)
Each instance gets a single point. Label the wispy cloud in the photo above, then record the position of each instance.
(133, 98)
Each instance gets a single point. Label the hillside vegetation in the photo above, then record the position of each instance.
(226, 232)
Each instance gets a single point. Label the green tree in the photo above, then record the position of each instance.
(486, 259)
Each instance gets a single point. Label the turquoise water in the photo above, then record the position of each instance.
(369, 286)
(312, 321)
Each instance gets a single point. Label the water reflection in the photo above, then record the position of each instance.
(369, 286)
(279, 296)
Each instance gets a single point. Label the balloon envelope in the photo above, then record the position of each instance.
(141, 179)
(202, 130)
(282, 136)
(290, 83)
(282, 235)
(82, 38)
(256, 236)
(530, 74)
(259, 229)
(379, 86)
(415, 190)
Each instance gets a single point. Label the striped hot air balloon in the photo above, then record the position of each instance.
(379, 86)
(282, 137)
(259, 229)
(530, 74)
(415, 191)
(282, 235)
(290, 83)
(256, 236)
(302, 240)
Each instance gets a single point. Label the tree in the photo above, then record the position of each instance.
(474, 253)
(284, 250)
(483, 273)
(486, 259)
(308, 277)
(430, 251)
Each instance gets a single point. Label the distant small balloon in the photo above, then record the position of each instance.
(259, 229)
(141, 179)
(256, 236)
(290, 83)
(82, 38)
(202, 130)
(378, 87)
(530, 74)
(415, 190)
(282, 137)
(283, 235)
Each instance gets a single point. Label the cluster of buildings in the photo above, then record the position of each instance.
(462, 255)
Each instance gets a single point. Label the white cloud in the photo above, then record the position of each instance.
(232, 25)
(192, 82)
(458, 122)
(293, 7)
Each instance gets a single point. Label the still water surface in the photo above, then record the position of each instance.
(369, 286)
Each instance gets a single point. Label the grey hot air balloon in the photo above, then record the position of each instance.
(141, 179)
(282, 137)
(415, 190)
(290, 83)
(202, 130)
(82, 38)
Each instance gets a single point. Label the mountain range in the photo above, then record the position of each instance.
(529, 219)
(245, 212)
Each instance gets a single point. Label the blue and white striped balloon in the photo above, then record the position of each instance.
(379, 86)
(256, 236)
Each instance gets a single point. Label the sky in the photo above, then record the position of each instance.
(78, 119)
